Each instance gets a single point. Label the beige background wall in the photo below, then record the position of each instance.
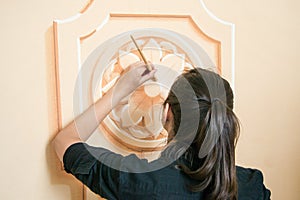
(267, 94)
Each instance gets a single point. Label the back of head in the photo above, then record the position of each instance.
(206, 130)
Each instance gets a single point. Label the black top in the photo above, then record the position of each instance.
(116, 177)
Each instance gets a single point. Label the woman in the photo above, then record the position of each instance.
(198, 162)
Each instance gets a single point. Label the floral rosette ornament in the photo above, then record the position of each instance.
(137, 120)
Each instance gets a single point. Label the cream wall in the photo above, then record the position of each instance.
(268, 88)
(267, 94)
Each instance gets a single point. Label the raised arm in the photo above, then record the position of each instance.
(83, 126)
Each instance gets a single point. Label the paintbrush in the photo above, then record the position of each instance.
(149, 68)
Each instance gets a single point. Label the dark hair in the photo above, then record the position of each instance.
(211, 145)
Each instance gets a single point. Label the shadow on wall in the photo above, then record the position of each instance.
(58, 176)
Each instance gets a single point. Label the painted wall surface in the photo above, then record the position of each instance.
(267, 95)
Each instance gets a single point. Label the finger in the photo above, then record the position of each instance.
(149, 67)
(152, 66)
(141, 67)
(148, 76)
(136, 64)
(146, 71)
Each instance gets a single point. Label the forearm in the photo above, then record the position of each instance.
(85, 124)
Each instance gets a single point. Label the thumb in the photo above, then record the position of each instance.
(148, 76)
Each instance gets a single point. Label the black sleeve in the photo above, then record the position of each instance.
(251, 184)
(267, 193)
(92, 166)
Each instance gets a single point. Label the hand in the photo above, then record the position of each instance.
(135, 75)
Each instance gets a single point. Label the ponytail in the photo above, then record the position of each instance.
(214, 144)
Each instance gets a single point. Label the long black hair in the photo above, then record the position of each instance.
(206, 133)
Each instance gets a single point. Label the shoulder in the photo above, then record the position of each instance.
(251, 184)
(248, 174)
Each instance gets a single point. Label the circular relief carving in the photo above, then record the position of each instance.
(136, 123)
